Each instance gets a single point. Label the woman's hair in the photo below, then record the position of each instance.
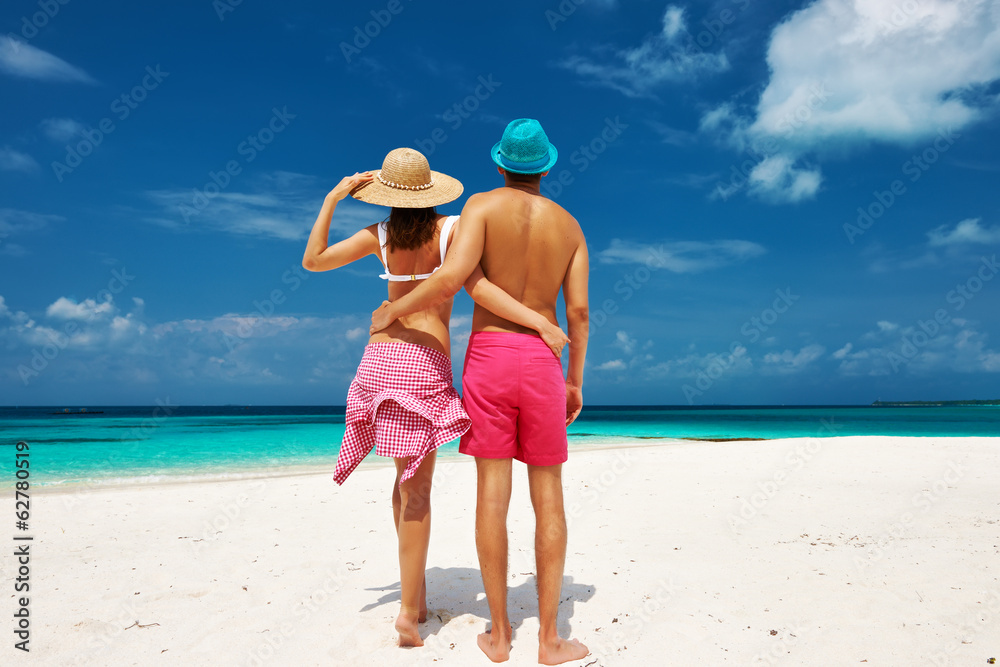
(410, 228)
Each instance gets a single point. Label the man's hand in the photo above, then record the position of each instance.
(382, 317)
(574, 402)
(554, 337)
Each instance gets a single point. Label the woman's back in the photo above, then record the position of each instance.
(427, 327)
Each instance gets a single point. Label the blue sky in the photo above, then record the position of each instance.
(785, 202)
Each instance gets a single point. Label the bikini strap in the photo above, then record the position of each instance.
(382, 235)
(445, 232)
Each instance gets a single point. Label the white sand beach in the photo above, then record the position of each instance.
(835, 551)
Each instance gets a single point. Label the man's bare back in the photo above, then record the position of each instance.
(528, 245)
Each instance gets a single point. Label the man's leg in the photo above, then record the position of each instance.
(545, 483)
(414, 532)
(492, 501)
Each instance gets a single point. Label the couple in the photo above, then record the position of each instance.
(513, 250)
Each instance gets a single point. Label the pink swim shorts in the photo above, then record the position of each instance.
(514, 391)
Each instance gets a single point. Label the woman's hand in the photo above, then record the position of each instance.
(382, 317)
(347, 184)
(554, 337)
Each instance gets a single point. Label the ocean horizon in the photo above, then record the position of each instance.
(112, 445)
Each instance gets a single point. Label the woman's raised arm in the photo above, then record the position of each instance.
(319, 256)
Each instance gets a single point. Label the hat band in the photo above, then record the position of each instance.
(399, 186)
(527, 166)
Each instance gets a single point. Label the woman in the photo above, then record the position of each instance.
(402, 401)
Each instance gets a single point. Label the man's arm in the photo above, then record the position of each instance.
(578, 319)
(498, 302)
(462, 258)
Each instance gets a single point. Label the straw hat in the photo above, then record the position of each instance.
(406, 181)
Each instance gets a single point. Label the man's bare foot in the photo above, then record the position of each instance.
(406, 626)
(560, 651)
(495, 645)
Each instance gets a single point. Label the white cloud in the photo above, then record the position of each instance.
(282, 205)
(355, 333)
(12, 160)
(694, 365)
(88, 309)
(122, 327)
(965, 232)
(613, 365)
(944, 244)
(673, 22)
(885, 326)
(624, 342)
(927, 349)
(846, 73)
(21, 59)
(660, 58)
(87, 326)
(778, 179)
(19, 318)
(89, 341)
(61, 130)
(681, 256)
(844, 351)
(14, 222)
(894, 71)
(991, 361)
(793, 362)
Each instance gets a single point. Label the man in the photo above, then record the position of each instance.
(513, 386)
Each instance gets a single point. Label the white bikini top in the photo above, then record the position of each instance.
(445, 232)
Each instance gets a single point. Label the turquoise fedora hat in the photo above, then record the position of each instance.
(524, 148)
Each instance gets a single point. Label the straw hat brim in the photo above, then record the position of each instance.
(444, 189)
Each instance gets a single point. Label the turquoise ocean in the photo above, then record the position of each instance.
(129, 445)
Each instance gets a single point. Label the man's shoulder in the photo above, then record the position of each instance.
(480, 203)
(569, 222)
(489, 195)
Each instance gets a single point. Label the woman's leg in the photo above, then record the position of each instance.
(396, 500)
(414, 532)
(396, 503)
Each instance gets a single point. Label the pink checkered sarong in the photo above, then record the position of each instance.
(403, 404)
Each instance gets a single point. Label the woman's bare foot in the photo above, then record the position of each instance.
(406, 626)
(495, 645)
(560, 651)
